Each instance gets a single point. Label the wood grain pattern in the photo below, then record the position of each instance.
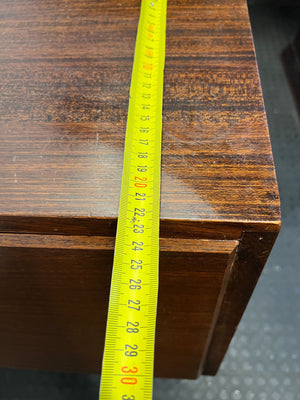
(54, 297)
(64, 78)
(65, 73)
(104, 243)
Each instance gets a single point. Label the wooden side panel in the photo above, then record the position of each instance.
(191, 291)
(252, 255)
(53, 302)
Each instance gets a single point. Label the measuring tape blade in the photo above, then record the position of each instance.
(127, 368)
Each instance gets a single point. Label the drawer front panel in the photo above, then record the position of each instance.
(54, 298)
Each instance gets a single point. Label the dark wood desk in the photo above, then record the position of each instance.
(64, 78)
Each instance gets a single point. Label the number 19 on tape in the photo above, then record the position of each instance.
(127, 368)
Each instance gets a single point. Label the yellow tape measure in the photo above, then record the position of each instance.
(127, 369)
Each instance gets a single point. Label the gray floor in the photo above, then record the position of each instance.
(263, 359)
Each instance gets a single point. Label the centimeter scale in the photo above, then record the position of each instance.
(127, 369)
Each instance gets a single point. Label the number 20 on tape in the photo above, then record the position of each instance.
(127, 368)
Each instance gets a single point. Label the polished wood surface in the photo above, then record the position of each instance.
(54, 296)
(64, 79)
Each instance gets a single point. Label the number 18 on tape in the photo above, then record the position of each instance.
(127, 368)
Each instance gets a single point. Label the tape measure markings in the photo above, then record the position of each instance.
(127, 369)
